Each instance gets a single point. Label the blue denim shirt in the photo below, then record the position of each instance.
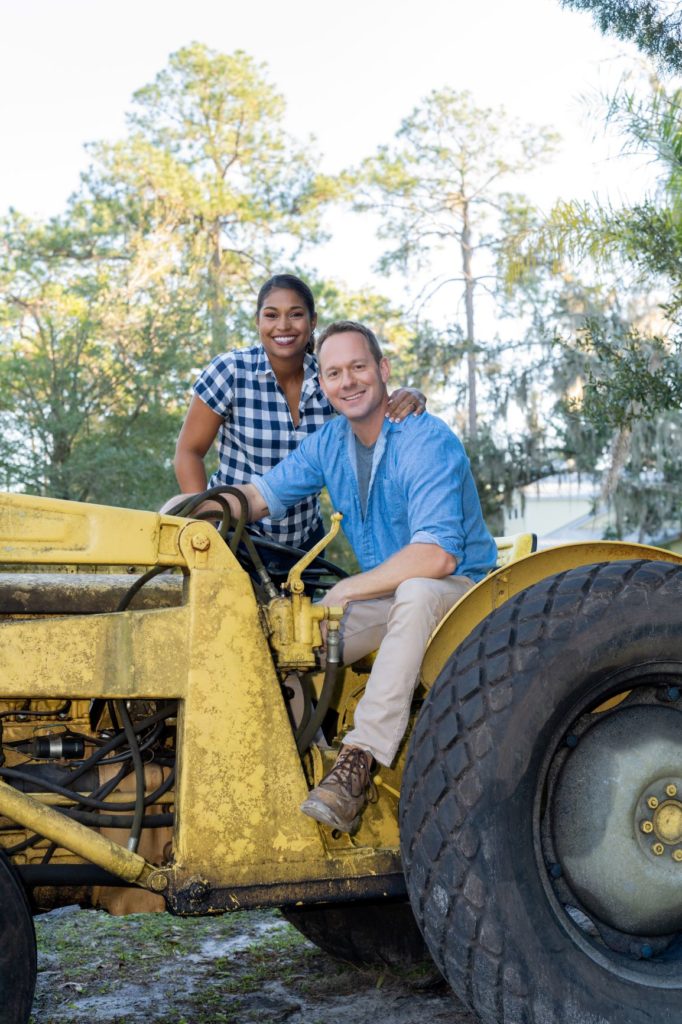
(421, 491)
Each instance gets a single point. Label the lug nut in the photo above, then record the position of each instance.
(677, 855)
(657, 848)
(671, 790)
(647, 826)
(652, 802)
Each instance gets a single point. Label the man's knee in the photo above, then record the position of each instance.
(418, 591)
(430, 597)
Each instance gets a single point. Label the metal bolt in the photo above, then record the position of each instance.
(158, 882)
(647, 826)
(652, 802)
(671, 790)
(200, 542)
(555, 870)
(658, 849)
(571, 740)
(646, 951)
(673, 693)
(677, 855)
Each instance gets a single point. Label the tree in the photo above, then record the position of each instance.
(91, 366)
(209, 165)
(655, 26)
(107, 310)
(439, 193)
(631, 387)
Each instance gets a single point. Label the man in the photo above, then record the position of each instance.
(413, 518)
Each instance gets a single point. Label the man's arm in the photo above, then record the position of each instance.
(257, 505)
(258, 508)
(427, 561)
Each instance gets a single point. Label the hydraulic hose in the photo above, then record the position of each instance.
(332, 663)
(239, 535)
(136, 827)
(81, 798)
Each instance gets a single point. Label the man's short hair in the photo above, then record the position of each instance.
(343, 327)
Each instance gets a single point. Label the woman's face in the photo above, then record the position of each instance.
(284, 325)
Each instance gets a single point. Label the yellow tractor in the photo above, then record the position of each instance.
(163, 713)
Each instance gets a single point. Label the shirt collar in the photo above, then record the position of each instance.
(263, 367)
(386, 428)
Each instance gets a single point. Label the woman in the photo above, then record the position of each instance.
(260, 403)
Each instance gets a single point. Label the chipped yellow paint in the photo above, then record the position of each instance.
(85, 842)
(121, 654)
(47, 530)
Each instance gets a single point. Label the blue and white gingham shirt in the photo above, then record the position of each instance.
(257, 431)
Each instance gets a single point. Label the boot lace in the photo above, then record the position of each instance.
(352, 771)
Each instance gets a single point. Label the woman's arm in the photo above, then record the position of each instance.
(196, 437)
(404, 401)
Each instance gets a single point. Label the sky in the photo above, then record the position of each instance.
(349, 73)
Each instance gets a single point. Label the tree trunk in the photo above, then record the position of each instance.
(216, 297)
(469, 285)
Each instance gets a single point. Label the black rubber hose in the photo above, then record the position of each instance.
(147, 742)
(87, 801)
(29, 713)
(106, 788)
(307, 688)
(136, 827)
(117, 741)
(118, 821)
(26, 844)
(297, 553)
(328, 684)
(138, 585)
(186, 508)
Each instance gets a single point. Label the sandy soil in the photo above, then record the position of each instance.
(236, 969)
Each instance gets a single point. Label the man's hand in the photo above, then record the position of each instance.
(338, 594)
(403, 402)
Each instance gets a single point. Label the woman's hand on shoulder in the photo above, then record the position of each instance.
(405, 402)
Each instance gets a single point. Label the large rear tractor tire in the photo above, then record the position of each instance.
(377, 933)
(541, 831)
(17, 948)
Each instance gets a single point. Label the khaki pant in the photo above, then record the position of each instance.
(400, 627)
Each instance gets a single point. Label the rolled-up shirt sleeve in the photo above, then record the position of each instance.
(215, 384)
(442, 505)
(293, 479)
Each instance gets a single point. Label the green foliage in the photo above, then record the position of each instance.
(210, 172)
(443, 175)
(632, 377)
(499, 469)
(439, 191)
(652, 25)
(107, 311)
(86, 349)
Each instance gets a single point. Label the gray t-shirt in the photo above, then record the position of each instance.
(364, 458)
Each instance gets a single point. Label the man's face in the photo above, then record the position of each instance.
(351, 378)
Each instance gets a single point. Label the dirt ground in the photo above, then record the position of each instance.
(235, 969)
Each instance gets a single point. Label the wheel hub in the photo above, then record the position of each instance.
(617, 819)
(660, 820)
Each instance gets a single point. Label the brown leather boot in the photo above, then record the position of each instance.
(340, 798)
